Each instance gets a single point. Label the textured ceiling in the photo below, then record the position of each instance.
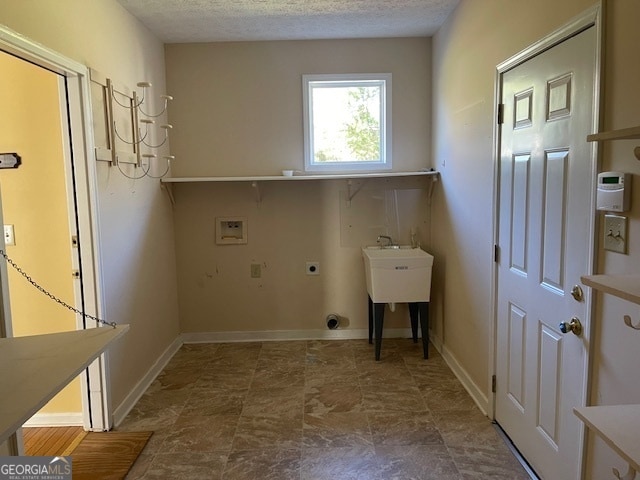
(183, 21)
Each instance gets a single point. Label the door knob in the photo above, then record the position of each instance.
(574, 326)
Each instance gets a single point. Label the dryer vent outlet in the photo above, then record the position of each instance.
(333, 321)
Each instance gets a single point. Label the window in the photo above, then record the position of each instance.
(347, 122)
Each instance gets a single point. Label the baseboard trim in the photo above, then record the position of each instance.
(55, 420)
(130, 400)
(462, 375)
(284, 335)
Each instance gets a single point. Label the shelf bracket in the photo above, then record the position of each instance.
(630, 475)
(256, 192)
(168, 187)
(627, 322)
(434, 180)
(351, 192)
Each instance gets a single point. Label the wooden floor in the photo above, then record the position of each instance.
(47, 441)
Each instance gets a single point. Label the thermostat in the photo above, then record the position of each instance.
(614, 191)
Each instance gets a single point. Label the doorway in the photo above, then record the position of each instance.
(35, 206)
(79, 185)
(545, 236)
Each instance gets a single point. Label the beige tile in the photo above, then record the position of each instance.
(393, 398)
(431, 373)
(215, 402)
(178, 378)
(241, 405)
(285, 401)
(221, 378)
(403, 428)
(209, 433)
(336, 430)
(345, 463)
(140, 466)
(268, 431)
(462, 428)
(186, 465)
(449, 395)
(484, 462)
(318, 375)
(267, 464)
(333, 398)
(382, 373)
(284, 375)
(416, 462)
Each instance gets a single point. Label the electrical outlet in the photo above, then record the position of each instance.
(256, 270)
(312, 268)
(9, 235)
(615, 233)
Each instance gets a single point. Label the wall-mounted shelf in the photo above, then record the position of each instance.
(168, 182)
(619, 427)
(626, 287)
(632, 133)
(622, 286)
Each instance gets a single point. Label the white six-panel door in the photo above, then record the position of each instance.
(545, 222)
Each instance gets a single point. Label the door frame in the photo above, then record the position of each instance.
(591, 18)
(96, 404)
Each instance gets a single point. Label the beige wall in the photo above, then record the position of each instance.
(135, 217)
(476, 38)
(239, 111)
(34, 201)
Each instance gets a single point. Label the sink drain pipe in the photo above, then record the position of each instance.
(333, 321)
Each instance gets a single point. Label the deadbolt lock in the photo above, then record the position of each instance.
(577, 293)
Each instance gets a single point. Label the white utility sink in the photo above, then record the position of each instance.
(397, 274)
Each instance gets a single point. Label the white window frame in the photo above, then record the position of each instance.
(327, 80)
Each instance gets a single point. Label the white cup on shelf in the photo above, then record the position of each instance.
(287, 173)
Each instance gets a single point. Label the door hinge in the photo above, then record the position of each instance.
(500, 113)
(75, 273)
(496, 253)
(493, 384)
(74, 241)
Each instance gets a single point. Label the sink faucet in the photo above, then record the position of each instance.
(387, 238)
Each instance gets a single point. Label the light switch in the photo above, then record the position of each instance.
(615, 233)
(9, 235)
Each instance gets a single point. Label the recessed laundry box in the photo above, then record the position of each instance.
(398, 275)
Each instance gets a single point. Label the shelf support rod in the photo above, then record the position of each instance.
(351, 192)
(434, 180)
(168, 187)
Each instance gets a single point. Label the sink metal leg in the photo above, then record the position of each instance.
(424, 326)
(378, 318)
(370, 320)
(413, 313)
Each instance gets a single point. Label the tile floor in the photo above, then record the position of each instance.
(314, 410)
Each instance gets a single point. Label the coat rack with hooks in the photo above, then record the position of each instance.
(124, 127)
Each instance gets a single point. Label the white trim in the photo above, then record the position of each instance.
(386, 131)
(55, 420)
(482, 401)
(80, 120)
(284, 335)
(592, 17)
(122, 410)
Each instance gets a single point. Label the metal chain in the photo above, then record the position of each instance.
(51, 296)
